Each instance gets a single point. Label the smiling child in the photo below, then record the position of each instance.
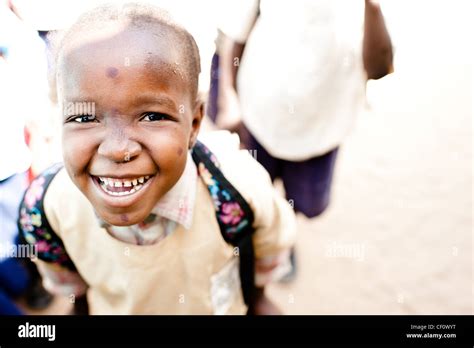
(134, 219)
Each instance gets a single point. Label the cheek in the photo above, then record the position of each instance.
(169, 151)
(77, 152)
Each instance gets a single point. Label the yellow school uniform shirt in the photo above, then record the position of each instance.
(190, 271)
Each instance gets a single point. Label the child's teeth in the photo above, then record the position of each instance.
(134, 185)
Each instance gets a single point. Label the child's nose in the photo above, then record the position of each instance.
(119, 148)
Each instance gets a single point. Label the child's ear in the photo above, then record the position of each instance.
(198, 114)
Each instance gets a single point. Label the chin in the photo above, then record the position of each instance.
(122, 219)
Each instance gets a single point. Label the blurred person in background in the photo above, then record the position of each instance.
(23, 93)
(294, 72)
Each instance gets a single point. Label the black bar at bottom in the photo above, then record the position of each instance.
(426, 331)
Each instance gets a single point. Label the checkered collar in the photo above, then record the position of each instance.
(178, 203)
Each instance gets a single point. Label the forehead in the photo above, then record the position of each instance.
(120, 57)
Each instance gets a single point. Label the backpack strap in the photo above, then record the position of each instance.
(234, 215)
(34, 226)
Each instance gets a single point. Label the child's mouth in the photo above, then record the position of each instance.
(121, 187)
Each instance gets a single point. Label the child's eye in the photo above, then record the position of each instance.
(154, 116)
(84, 119)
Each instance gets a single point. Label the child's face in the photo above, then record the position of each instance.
(131, 146)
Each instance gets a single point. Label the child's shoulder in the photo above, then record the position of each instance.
(54, 196)
(233, 160)
(62, 189)
(50, 206)
(238, 165)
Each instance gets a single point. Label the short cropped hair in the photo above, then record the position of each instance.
(137, 16)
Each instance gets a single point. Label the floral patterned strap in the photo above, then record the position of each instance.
(34, 226)
(234, 215)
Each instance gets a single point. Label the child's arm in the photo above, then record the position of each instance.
(275, 231)
(377, 46)
(39, 230)
(63, 282)
(237, 23)
(230, 53)
(274, 219)
(268, 269)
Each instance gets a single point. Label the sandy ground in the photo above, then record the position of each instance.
(397, 238)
